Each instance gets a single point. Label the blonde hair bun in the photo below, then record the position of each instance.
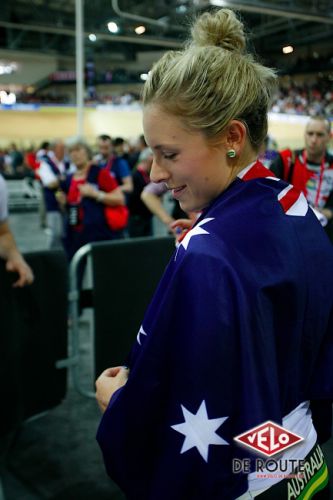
(220, 29)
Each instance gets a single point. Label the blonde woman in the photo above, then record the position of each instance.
(87, 192)
(239, 332)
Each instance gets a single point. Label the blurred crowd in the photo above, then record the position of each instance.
(91, 98)
(90, 192)
(292, 98)
(310, 99)
(102, 190)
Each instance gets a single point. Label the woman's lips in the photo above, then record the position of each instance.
(177, 192)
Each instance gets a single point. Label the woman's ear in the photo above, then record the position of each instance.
(235, 136)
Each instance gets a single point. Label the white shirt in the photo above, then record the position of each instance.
(46, 174)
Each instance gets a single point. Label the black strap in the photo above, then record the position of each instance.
(93, 174)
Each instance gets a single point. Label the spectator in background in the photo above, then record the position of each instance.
(87, 192)
(304, 99)
(310, 169)
(40, 153)
(152, 197)
(137, 149)
(16, 159)
(120, 148)
(31, 165)
(53, 168)
(268, 151)
(8, 249)
(116, 165)
(31, 159)
(43, 150)
(140, 221)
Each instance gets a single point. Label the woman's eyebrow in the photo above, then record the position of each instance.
(165, 146)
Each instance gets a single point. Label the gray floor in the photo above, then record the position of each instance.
(56, 456)
(28, 234)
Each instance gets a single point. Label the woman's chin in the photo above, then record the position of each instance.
(190, 207)
(185, 206)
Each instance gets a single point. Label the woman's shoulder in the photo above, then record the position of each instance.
(265, 198)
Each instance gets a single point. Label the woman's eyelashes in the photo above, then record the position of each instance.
(169, 156)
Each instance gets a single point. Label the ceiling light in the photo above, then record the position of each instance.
(288, 49)
(139, 30)
(113, 27)
(92, 37)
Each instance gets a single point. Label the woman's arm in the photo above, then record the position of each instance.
(112, 198)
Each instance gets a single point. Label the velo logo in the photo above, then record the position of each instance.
(268, 438)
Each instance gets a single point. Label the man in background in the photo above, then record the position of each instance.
(310, 169)
(140, 221)
(116, 165)
(52, 170)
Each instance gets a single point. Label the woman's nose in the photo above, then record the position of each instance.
(158, 173)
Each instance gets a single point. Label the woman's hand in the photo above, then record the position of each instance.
(179, 226)
(108, 382)
(61, 198)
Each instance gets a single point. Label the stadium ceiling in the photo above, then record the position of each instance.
(48, 26)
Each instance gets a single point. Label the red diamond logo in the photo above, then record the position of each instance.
(268, 439)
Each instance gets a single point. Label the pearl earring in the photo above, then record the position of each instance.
(231, 153)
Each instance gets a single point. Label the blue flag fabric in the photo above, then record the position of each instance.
(239, 331)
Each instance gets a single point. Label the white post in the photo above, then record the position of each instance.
(79, 66)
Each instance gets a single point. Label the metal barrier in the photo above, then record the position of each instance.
(132, 269)
(23, 194)
(72, 362)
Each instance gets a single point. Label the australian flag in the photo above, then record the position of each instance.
(239, 331)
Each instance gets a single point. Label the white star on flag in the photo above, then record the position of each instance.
(141, 332)
(195, 232)
(199, 430)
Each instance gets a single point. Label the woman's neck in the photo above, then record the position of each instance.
(245, 159)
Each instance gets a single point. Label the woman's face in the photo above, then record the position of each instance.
(79, 156)
(193, 170)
